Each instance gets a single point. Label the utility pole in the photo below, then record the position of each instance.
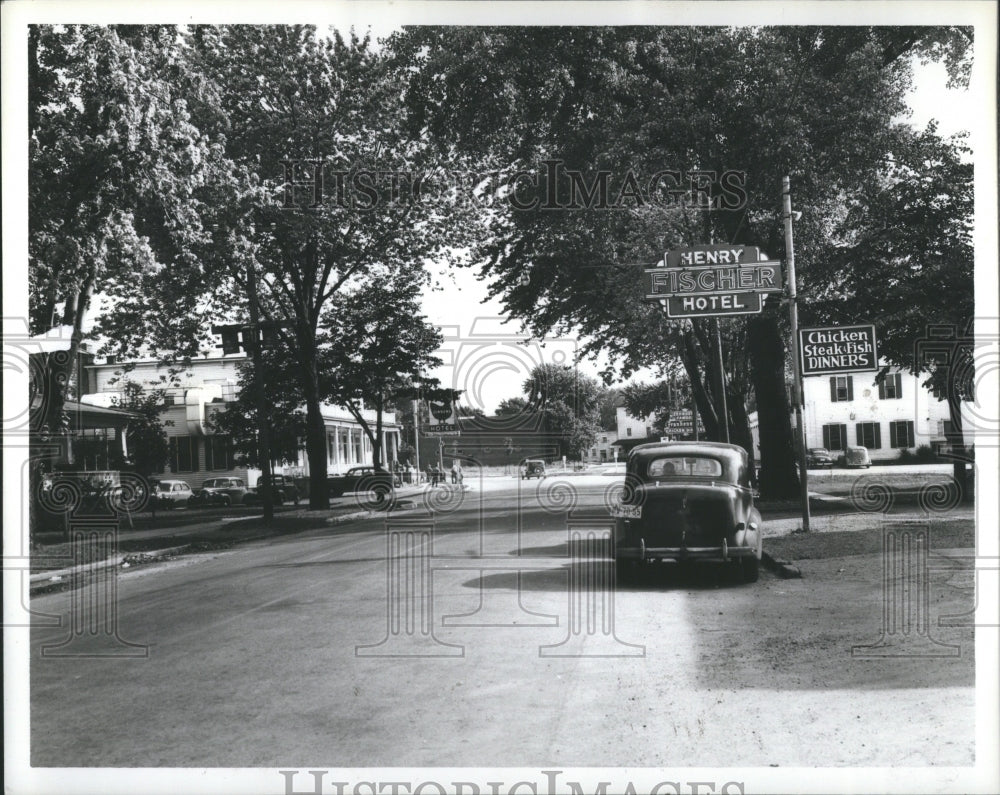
(723, 406)
(793, 313)
(263, 429)
(416, 437)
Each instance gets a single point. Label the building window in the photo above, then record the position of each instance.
(604, 440)
(891, 387)
(628, 431)
(901, 433)
(217, 455)
(841, 388)
(183, 454)
(869, 435)
(835, 437)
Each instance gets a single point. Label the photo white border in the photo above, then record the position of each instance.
(20, 778)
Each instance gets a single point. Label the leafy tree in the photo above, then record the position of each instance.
(115, 164)
(818, 104)
(378, 345)
(511, 407)
(608, 408)
(903, 251)
(372, 347)
(283, 106)
(568, 401)
(145, 438)
(642, 399)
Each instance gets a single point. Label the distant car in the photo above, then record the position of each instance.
(818, 457)
(857, 457)
(171, 493)
(687, 501)
(283, 490)
(533, 468)
(364, 478)
(221, 491)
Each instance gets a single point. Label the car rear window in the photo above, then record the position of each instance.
(684, 466)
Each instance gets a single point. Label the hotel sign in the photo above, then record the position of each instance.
(443, 419)
(846, 349)
(713, 280)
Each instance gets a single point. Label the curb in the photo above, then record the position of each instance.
(782, 568)
(368, 514)
(44, 578)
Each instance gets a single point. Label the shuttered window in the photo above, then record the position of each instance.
(901, 433)
(869, 434)
(841, 388)
(184, 454)
(891, 387)
(835, 436)
(217, 456)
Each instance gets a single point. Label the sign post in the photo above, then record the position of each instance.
(793, 316)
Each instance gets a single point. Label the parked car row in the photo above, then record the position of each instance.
(856, 457)
(219, 492)
(226, 491)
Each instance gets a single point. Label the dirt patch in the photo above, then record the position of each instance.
(944, 534)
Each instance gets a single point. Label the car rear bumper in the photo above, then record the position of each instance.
(721, 553)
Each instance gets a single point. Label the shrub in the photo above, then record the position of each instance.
(906, 457)
(925, 454)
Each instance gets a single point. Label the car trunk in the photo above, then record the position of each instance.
(684, 516)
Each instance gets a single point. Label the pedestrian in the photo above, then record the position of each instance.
(456, 471)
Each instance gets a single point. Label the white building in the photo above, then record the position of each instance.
(603, 450)
(631, 428)
(852, 410)
(206, 387)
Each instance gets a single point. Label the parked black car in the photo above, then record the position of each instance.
(221, 491)
(363, 479)
(283, 490)
(818, 457)
(687, 501)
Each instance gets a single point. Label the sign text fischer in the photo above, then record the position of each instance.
(713, 280)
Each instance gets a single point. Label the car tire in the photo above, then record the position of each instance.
(749, 569)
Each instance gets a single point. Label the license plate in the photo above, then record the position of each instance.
(622, 511)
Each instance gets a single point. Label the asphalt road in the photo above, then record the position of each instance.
(479, 636)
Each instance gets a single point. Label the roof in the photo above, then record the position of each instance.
(685, 448)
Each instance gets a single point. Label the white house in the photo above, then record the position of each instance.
(206, 387)
(631, 428)
(852, 410)
(602, 450)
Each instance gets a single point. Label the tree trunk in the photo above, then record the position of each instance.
(740, 431)
(377, 445)
(703, 400)
(779, 477)
(956, 442)
(61, 369)
(319, 499)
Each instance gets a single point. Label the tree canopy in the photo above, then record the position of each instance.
(613, 145)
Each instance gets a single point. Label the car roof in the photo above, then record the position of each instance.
(653, 449)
